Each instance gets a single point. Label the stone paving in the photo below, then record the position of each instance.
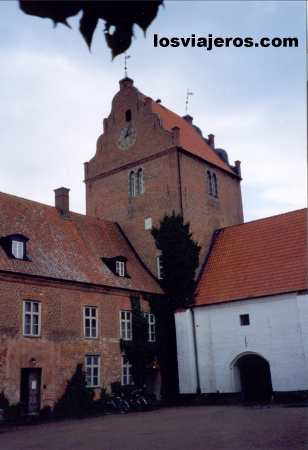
(181, 428)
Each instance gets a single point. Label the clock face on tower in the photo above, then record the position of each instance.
(127, 137)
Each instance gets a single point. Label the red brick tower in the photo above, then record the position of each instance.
(149, 161)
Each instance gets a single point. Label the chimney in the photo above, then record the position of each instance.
(211, 140)
(188, 119)
(62, 200)
(126, 82)
(237, 168)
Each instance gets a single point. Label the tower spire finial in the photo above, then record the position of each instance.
(126, 57)
(188, 94)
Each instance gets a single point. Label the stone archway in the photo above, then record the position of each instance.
(255, 378)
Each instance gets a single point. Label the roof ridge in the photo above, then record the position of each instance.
(190, 140)
(262, 219)
(74, 213)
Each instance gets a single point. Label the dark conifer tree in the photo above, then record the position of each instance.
(180, 259)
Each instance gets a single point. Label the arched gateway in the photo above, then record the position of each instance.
(254, 377)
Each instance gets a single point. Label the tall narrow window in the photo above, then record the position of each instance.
(159, 266)
(92, 367)
(126, 325)
(31, 318)
(151, 326)
(126, 375)
(209, 183)
(120, 268)
(131, 184)
(139, 182)
(128, 115)
(215, 185)
(90, 321)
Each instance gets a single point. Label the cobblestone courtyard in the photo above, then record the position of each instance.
(182, 428)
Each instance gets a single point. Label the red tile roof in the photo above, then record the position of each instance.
(190, 139)
(259, 258)
(68, 248)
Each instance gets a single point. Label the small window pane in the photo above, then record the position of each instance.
(244, 319)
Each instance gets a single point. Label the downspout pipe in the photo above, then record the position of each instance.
(196, 357)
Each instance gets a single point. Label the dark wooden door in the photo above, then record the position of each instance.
(31, 390)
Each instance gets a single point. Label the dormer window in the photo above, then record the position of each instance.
(15, 246)
(120, 268)
(117, 265)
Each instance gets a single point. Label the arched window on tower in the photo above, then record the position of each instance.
(209, 183)
(132, 184)
(128, 115)
(139, 182)
(215, 185)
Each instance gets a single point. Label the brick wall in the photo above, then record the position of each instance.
(164, 167)
(61, 345)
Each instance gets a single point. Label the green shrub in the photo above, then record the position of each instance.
(13, 413)
(4, 403)
(77, 400)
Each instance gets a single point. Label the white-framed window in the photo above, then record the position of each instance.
(92, 369)
(148, 223)
(159, 267)
(126, 332)
(151, 326)
(90, 321)
(31, 318)
(18, 249)
(126, 373)
(120, 268)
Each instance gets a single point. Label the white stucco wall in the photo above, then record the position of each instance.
(278, 331)
(185, 352)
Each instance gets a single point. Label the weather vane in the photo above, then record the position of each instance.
(188, 94)
(126, 57)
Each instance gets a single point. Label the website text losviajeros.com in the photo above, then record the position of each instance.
(211, 42)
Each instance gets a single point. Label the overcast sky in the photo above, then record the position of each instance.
(54, 95)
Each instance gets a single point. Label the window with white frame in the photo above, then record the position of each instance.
(126, 325)
(18, 249)
(159, 266)
(92, 369)
(120, 268)
(126, 375)
(151, 326)
(31, 318)
(90, 321)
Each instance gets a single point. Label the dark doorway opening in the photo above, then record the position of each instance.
(30, 390)
(256, 379)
